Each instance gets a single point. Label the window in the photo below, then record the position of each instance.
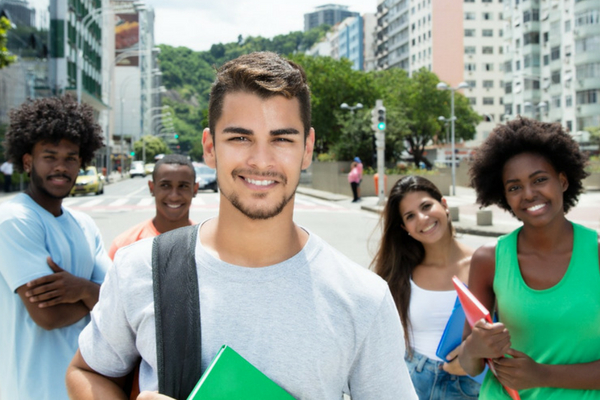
(588, 96)
(518, 65)
(545, 36)
(487, 50)
(568, 51)
(590, 43)
(555, 102)
(500, 50)
(469, 1)
(487, 32)
(500, 33)
(488, 67)
(531, 84)
(508, 109)
(469, 32)
(546, 59)
(472, 101)
(488, 101)
(469, 49)
(588, 17)
(568, 25)
(531, 15)
(555, 53)
(488, 84)
(469, 15)
(569, 126)
(568, 101)
(472, 84)
(487, 16)
(531, 38)
(469, 67)
(507, 66)
(486, 1)
(591, 70)
(555, 77)
(508, 88)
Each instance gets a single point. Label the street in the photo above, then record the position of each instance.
(352, 231)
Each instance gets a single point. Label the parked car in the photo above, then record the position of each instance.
(206, 177)
(137, 169)
(88, 181)
(149, 168)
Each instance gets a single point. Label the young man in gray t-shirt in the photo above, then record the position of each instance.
(313, 321)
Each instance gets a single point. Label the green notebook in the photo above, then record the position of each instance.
(229, 376)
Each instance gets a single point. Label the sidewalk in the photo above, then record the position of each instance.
(586, 212)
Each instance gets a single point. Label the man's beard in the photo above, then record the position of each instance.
(259, 214)
(38, 182)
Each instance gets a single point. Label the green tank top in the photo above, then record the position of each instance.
(559, 325)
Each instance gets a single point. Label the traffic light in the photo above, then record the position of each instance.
(176, 136)
(378, 118)
(132, 154)
(381, 118)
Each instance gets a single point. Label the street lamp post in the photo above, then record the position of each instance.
(443, 86)
(446, 122)
(357, 106)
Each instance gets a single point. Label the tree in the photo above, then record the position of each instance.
(154, 146)
(413, 107)
(594, 134)
(333, 82)
(5, 57)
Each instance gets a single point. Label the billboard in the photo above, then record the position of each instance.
(127, 38)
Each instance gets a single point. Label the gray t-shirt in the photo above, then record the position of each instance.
(317, 324)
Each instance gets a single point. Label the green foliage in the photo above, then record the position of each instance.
(594, 134)
(333, 82)
(5, 57)
(154, 146)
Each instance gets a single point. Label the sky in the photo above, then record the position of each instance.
(198, 24)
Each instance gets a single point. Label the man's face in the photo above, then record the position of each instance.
(258, 151)
(173, 189)
(53, 168)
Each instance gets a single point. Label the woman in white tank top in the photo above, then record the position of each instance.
(417, 256)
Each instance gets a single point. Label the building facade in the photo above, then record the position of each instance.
(329, 14)
(552, 61)
(415, 34)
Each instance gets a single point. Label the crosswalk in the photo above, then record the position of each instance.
(107, 203)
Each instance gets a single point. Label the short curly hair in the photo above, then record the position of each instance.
(524, 135)
(52, 119)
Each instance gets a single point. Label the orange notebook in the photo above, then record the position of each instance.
(474, 311)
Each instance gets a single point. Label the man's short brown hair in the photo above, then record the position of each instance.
(265, 74)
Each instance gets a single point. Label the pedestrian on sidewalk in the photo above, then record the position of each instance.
(307, 317)
(354, 180)
(52, 259)
(7, 169)
(417, 256)
(359, 165)
(542, 279)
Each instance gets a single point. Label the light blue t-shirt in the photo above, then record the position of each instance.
(34, 360)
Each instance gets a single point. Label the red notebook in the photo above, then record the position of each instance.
(474, 311)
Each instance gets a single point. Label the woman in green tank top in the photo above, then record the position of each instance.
(543, 279)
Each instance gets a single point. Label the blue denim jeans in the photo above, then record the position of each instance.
(433, 383)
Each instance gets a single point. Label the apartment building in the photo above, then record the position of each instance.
(552, 61)
(458, 40)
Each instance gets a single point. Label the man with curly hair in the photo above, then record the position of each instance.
(543, 279)
(53, 259)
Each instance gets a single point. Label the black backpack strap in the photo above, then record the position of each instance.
(177, 311)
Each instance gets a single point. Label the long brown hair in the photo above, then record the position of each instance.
(399, 253)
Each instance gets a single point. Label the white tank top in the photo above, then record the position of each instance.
(429, 311)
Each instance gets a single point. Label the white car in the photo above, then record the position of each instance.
(137, 169)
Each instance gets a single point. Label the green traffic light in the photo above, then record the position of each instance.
(132, 153)
(176, 136)
(381, 126)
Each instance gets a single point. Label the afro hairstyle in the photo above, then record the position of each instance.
(51, 120)
(524, 135)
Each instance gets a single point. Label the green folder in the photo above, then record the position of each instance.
(229, 376)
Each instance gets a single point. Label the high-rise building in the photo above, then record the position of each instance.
(552, 61)
(458, 40)
(329, 14)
